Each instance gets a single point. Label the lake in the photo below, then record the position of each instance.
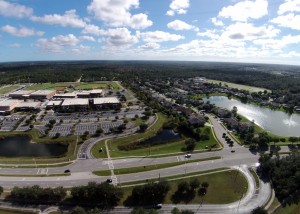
(20, 146)
(274, 121)
(164, 136)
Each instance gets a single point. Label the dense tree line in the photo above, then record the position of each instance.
(284, 78)
(284, 174)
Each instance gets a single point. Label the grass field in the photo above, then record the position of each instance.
(224, 187)
(6, 211)
(78, 85)
(6, 89)
(289, 209)
(150, 167)
(238, 86)
(167, 148)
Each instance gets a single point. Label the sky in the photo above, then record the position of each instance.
(255, 31)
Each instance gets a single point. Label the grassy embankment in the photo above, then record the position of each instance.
(224, 187)
(35, 137)
(238, 86)
(78, 85)
(9, 88)
(146, 168)
(163, 149)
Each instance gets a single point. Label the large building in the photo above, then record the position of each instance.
(90, 94)
(6, 106)
(28, 106)
(21, 94)
(106, 103)
(42, 94)
(76, 104)
(65, 96)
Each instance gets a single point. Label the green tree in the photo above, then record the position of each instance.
(259, 210)
(1, 190)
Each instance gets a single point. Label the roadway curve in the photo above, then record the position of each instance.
(82, 174)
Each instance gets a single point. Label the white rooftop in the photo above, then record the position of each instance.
(9, 102)
(43, 92)
(104, 100)
(77, 101)
(65, 95)
(22, 92)
(54, 102)
(29, 105)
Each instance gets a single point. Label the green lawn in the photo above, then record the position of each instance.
(5, 211)
(238, 86)
(163, 149)
(6, 89)
(150, 167)
(289, 209)
(224, 187)
(98, 85)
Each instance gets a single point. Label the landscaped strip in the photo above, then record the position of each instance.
(37, 175)
(137, 169)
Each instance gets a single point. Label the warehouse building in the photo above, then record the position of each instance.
(22, 94)
(28, 106)
(76, 104)
(6, 106)
(42, 94)
(106, 103)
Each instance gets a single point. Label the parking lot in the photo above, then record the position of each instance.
(63, 130)
(80, 129)
(9, 123)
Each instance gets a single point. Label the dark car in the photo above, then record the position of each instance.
(109, 180)
(157, 206)
(67, 171)
(232, 151)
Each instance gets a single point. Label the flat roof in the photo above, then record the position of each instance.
(29, 105)
(9, 102)
(65, 95)
(43, 92)
(22, 92)
(104, 100)
(54, 102)
(77, 101)
(96, 91)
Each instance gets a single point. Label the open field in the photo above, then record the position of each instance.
(238, 86)
(78, 85)
(6, 89)
(224, 187)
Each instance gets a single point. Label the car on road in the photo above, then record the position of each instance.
(232, 151)
(109, 180)
(188, 156)
(157, 206)
(67, 171)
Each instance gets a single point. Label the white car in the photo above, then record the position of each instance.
(188, 156)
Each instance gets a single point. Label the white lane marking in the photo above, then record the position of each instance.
(177, 158)
(38, 171)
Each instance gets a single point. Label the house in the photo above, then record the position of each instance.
(231, 122)
(197, 121)
(222, 113)
(245, 126)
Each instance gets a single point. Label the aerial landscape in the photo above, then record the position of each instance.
(149, 107)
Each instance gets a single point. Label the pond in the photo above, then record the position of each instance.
(164, 136)
(20, 146)
(274, 121)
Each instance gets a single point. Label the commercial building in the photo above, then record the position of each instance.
(7, 106)
(42, 94)
(28, 106)
(76, 104)
(90, 94)
(22, 94)
(54, 104)
(65, 96)
(106, 103)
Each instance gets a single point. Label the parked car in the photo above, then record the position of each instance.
(67, 171)
(109, 180)
(188, 156)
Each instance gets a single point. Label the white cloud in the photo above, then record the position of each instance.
(159, 36)
(81, 49)
(150, 46)
(87, 38)
(278, 43)
(290, 54)
(119, 37)
(247, 31)
(21, 32)
(289, 6)
(181, 25)
(92, 29)
(289, 21)
(209, 34)
(14, 10)
(58, 43)
(245, 10)
(178, 7)
(70, 18)
(217, 22)
(116, 13)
